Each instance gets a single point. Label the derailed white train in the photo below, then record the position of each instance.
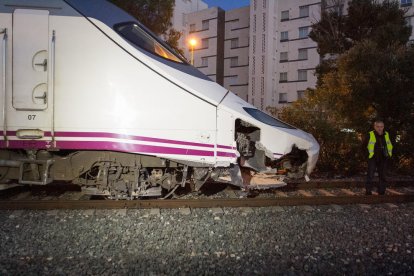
(89, 95)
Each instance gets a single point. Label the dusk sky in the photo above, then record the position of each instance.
(227, 4)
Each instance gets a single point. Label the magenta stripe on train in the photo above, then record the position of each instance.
(124, 136)
(107, 145)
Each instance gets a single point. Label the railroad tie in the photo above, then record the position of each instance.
(391, 206)
(325, 192)
(305, 193)
(408, 189)
(184, 211)
(394, 192)
(217, 211)
(281, 194)
(155, 212)
(22, 196)
(348, 192)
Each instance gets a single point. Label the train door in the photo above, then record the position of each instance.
(32, 96)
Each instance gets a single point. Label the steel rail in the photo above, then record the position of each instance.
(320, 184)
(200, 203)
(303, 185)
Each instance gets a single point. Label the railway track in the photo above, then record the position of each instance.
(217, 195)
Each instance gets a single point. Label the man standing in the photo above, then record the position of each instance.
(379, 150)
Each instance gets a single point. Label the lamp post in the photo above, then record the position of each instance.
(192, 43)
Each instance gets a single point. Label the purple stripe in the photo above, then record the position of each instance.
(129, 137)
(224, 147)
(226, 154)
(123, 147)
(122, 136)
(118, 136)
(127, 147)
(29, 144)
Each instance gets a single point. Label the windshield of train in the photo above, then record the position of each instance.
(267, 119)
(138, 36)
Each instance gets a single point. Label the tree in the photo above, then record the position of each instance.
(370, 76)
(379, 21)
(155, 15)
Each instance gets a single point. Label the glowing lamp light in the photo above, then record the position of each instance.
(192, 42)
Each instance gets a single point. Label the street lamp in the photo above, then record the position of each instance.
(192, 42)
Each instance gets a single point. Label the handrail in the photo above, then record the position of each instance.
(3, 68)
(52, 72)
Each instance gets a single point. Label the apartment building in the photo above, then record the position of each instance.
(282, 56)
(260, 66)
(269, 60)
(262, 53)
(236, 51)
(206, 27)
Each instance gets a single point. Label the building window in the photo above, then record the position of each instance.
(408, 21)
(283, 77)
(282, 97)
(253, 86)
(303, 54)
(303, 32)
(254, 65)
(263, 43)
(234, 61)
(205, 25)
(284, 16)
(234, 42)
(204, 43)
(264, 22)
(302, 75)
(304, 11)
(204, 61)
(254, 23)
(254, 4)
(263, 64)
(234, 24)
(284, 36)
(264, 4)
(254, 44)
(301, 94)
(283, 56)
(262, 86)
(232, 80)
(405, 3)
(192, 28)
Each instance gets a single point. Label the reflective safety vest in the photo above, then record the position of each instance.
(373, 140)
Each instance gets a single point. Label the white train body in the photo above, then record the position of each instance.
(71, 81)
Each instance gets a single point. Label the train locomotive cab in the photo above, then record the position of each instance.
(90, 96)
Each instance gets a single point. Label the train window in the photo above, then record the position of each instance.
(267, 119)
(143, 39)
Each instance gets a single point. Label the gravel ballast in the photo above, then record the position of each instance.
(330, 240)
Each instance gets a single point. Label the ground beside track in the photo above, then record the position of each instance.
(331, 240)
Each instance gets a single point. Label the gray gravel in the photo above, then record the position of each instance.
(328, 240)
